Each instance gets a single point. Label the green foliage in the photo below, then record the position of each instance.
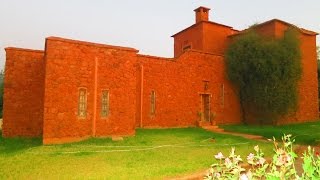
(266, 72)
(282, 165)
(311, 164)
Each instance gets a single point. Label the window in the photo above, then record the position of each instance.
(82, 106)
(105, 103)
(153, 103)
(186, 47)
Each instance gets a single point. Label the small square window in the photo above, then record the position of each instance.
(186, 47)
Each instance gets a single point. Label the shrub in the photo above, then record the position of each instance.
(266, 71)
(282, 165)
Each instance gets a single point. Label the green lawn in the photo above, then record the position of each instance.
(307, 133)
(151, 154)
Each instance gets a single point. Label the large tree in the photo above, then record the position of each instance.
(266, 71)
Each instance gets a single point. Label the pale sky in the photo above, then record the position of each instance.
(142, 24)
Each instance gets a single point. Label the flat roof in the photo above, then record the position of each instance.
(202, 7)
(24, 49)
(91, 44)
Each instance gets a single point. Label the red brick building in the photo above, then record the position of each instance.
(74, 90)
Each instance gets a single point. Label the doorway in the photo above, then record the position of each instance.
(205, 99)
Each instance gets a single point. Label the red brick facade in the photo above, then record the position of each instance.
(71, 65)
(23, 94)
(74, 90)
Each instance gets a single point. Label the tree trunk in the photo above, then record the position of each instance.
(244, 120)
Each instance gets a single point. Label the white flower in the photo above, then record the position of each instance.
(250, 158)
(217, 175)
(283, 159)
(289, 158)
(261, 161)
(244, 177)
(249, 174)
(227, 162)
(219, 156)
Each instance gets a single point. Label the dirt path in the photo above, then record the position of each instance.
(217, 129)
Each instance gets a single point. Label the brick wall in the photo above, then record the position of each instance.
(23, 93)
(71, 65)
(308, 107)
(178, 84)
(205, 36)
(215, 37)
(192, 37)
(117, 74)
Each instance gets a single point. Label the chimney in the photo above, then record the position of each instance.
(202, 14)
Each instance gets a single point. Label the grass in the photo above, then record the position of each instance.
(151, 154)
(306, 133)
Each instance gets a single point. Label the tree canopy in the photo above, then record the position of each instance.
(266, 71)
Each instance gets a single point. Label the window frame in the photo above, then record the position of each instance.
(107, 104)
(82, 103)
(186, 47)
(153, 99)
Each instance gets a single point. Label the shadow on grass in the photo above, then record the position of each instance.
(12, 146)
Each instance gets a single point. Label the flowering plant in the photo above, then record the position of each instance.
(281, 166)
(227, 166)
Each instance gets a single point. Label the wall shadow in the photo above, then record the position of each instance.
(12, 146)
